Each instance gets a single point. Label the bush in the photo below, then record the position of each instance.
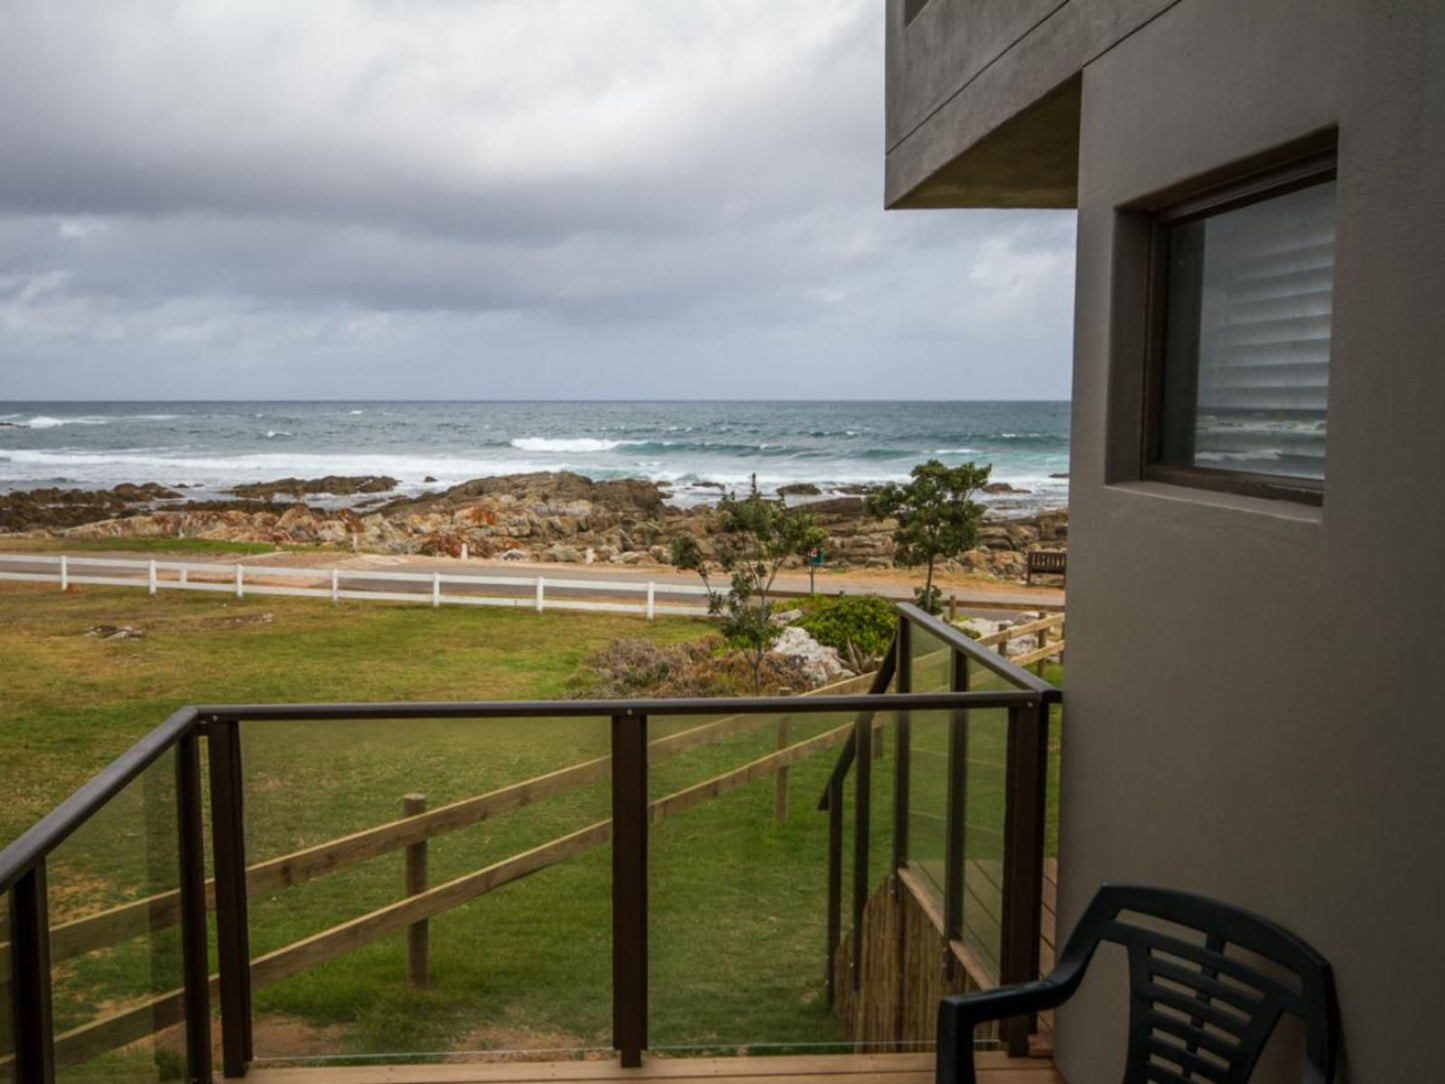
(640, 668)
(859, 626)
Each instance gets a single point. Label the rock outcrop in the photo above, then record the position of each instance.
(548, 516)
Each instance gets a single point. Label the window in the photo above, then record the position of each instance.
(1242, 282)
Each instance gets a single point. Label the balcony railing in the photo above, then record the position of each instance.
(124, 951)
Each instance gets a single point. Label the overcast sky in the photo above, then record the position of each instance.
(496, 199)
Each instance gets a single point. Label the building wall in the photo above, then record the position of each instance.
(1251, 710)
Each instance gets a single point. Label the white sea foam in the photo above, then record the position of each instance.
(565, 444)
(955, 451)
(42, 421)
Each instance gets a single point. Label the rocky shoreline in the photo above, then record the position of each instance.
(546, 516)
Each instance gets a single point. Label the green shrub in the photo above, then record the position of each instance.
(863, 621)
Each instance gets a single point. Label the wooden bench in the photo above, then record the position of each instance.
(1046, 563)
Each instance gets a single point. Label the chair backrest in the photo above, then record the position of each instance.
(1197, 1014)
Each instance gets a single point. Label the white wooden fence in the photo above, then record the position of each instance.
(242, 580)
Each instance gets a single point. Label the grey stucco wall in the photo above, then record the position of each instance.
(1251, 710)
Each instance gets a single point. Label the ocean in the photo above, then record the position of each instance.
(210, 446)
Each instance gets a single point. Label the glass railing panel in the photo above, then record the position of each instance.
(981, 906)
(928, 798)
(737, 904)
(928, 662)
(516, 894)
(115, 944)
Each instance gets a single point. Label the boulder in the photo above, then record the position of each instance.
(821, 664)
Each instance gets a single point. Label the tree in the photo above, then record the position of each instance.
(755, 539)
(937, 517)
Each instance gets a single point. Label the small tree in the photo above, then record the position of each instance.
(937, 517)
(755, 540)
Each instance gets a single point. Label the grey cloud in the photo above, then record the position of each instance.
(504, 195)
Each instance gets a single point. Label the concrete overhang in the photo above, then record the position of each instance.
(984, 97)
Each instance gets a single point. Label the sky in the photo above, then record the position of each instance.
(500, 199)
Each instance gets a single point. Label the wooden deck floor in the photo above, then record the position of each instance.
(993, 1068)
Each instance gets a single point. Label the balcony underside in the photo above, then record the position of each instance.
(993, 1068)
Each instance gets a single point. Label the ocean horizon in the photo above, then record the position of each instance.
(693, 447)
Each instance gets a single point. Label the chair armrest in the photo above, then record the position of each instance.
(959, 1014)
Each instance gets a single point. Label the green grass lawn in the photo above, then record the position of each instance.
(737, 901)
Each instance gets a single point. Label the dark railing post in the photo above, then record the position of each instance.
(31, 1021)
(955, 827)
(232, 934)
(195, 962)
(862, 822)
(629, 887)
(835, 883)
(1026, 778)
(902, 732)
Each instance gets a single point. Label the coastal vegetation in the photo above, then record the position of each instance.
(935, 517)
(755, 539)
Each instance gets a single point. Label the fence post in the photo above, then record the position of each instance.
(651, 600)
(418, 969)
(64, 573)
(151, 577)
(780, 777)
(355, 542)
(835, 884)
(539, 594)
(233, 939)
(629, 887)
(436, 589)
(240, 583)
(1003, 627)
(1026, 773)
(902, 734)
(30, 1013)
(194, 965)
(956, 804)
(953, 607)
(335, 586)
(182, 575)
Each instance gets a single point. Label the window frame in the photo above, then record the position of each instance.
(1255, 188)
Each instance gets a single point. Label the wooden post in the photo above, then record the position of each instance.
(240, 582)
(151, 577)
(436, 589)
(355, 542)
(464, 551)
(64, 573)
(953, 607)
(780, 777)
(1003, 628)
(651, 600)
(418, 964)
(1043, 642)
(539, 594)
(181, 577)
(335, 586)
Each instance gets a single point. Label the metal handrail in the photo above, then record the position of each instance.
(42, 837)
(1025, 768)
(604, 709)
(992, 660)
